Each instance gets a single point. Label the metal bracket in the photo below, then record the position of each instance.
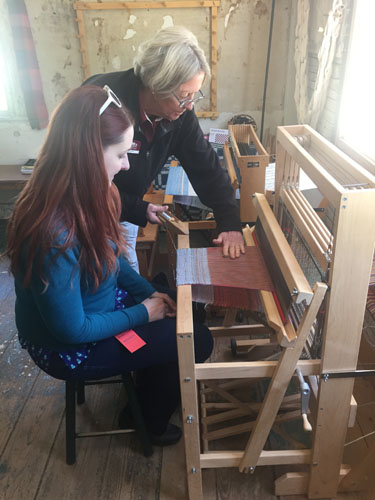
(348, 374)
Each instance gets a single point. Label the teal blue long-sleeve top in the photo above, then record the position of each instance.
(68, 313)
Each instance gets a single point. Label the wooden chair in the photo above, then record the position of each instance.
(75, 391)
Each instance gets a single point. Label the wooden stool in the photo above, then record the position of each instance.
(75, 389)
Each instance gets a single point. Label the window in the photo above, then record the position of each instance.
(12, 106)
(3, 99)
(357, 109)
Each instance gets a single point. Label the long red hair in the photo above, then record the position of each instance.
(69, 190)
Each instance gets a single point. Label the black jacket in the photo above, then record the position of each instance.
(182, 138)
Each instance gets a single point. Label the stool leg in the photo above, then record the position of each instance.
(80, 392)
(70, 421)
(137, 414)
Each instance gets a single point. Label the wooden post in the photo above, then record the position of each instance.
(188, 384)
(353, 250)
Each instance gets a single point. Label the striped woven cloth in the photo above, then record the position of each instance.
(223, 281)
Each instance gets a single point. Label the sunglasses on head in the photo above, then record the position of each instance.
(112, 98)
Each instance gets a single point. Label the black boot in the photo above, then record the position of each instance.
(171, 435)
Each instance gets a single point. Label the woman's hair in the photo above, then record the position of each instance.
(69, 190)
(170, 58)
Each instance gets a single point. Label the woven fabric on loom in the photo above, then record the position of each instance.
(223, 281)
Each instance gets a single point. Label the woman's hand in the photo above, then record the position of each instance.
(159, 306)
(156, 309)
(170, 303)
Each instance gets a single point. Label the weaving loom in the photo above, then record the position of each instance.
(339, 253)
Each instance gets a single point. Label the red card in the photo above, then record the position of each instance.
(130, 340)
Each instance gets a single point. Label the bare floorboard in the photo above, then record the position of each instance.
(32, 439)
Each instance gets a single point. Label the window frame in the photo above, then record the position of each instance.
(16, 107)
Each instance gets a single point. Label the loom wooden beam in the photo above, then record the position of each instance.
(296, 483)
(238, 330)
(340, 160)
(353, 251)
(328, 185)
(188, 385)
(234, 430)
(297, 284)
(241, 344)
(250, 369)
(197, 225)
(174, 224)
(310, 231)
(217, 459)
(232, 384)
(289, 402)
(321, 229)
(286, 334)
(226, 395)
(230, 167)
(145, 5)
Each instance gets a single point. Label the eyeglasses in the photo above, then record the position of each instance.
(112, 97)
(185, 102)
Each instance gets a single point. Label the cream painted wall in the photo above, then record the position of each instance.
(242, 48)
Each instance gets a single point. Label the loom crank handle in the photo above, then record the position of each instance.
(305, 397)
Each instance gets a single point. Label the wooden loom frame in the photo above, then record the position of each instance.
(252, 169)
(213, 5)
(353, 245)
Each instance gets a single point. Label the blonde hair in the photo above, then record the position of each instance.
(170, 58)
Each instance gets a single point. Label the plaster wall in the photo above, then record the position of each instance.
(243, 29)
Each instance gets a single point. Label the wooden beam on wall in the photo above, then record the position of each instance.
(212, 5)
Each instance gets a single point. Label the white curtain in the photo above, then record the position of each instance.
(309, 110)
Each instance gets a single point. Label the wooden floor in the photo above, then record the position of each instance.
(32, 447)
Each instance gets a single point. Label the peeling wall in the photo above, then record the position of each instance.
(113, 37)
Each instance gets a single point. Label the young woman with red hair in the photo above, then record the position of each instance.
(74, 288)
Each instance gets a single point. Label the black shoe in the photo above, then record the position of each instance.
(125, 419)
(170, 436)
